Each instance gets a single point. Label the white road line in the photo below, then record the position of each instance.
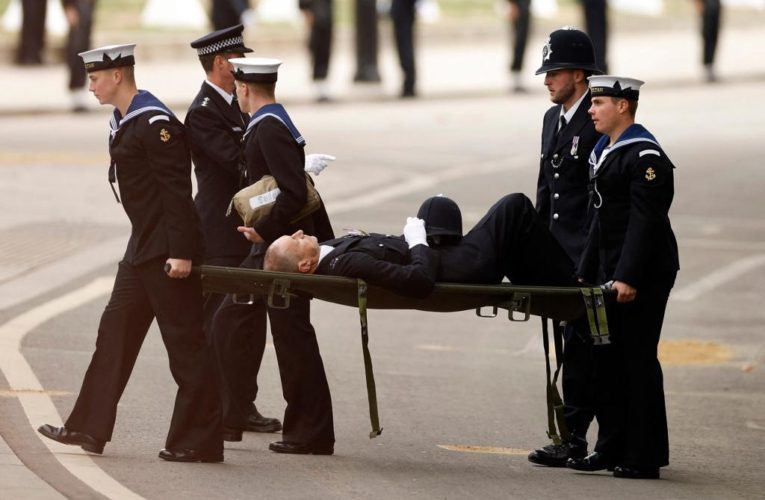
(691, 292)
(38, 406)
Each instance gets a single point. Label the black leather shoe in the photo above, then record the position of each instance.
(65, 436)
(185, 455)
(258, 423)
(232, 434)
(593, 462)
(555, 455)
(635, 473)
(302, 448)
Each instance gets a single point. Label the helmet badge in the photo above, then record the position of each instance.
(546, 51)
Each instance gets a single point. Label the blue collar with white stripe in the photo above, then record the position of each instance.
(277, 111)
(634, 133)
(142, 102)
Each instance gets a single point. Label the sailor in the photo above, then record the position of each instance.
(215, 126)
(151, 163)
(568, 136)
(632, 245)
(273, 146)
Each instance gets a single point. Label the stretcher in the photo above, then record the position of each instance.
(559, 304)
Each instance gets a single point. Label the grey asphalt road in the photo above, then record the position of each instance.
(461, 398)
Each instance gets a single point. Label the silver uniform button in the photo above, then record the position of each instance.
(380, 244)
(555, 216)
(556, 196)
(556, 175)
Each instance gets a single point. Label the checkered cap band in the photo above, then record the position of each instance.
(219, 46)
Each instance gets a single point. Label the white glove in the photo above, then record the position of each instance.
(315, 163)
(414, 232)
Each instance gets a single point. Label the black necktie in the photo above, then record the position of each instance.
(562, 126)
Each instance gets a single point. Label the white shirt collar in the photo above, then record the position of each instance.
(572, 110)
(324, 251)
(225, 95)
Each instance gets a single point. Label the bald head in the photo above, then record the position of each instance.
(297, 253)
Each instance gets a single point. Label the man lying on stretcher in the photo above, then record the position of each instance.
(508, 242)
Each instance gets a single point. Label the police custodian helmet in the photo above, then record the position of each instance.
(443, 219)
(568, 48)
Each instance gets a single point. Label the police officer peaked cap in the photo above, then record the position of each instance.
(615, 86)
(568, 48)
(111, 56)
(226, 40)
(255, 69)
(442, 216)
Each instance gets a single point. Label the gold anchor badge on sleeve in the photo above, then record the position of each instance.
(650, 174)
(164, 135)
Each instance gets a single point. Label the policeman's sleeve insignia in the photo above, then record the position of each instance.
(650, 174)
(164, 136)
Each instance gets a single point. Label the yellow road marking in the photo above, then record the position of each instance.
(693, 352)
(12, 393)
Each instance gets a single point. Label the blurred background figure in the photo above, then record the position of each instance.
(32, 34)
(520, 24)
(227, 13)
(711, 14)
(79, 15)
(318, 15)
(596, 24)
(402, 12)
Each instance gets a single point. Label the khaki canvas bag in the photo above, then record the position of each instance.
(256, 200)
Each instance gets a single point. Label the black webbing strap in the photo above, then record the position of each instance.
(370, 376)
(555, 413)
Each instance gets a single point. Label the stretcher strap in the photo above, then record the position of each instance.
(554, 401)
(370, 376)
(596, 315)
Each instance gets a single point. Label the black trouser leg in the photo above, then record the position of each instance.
(32, 35)
(79, 41)
(403, 14)
(308, 416)
(596, 22)
(577, 379)
(520, 27)
(710, 28)
(320, 42)
(123, 326)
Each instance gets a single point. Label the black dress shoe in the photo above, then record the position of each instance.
(65, 436)
(556, 455)
(636, 473)
(302, 448)
(593, 462)
(186, 455)
(232, 434)
(258, 423)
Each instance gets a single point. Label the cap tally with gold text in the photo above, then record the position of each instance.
(111, 56)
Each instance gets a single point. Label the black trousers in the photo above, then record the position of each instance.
(237, 327)
(520, 33)
(320, 40)
(630, 408)
(79, 41)
(140, 294)
(596, 23)
(577, 379)
(402, 12)
(32, 36)
(510, 241)
(227, 13)
(710, 28)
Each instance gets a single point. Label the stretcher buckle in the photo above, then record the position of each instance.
(520, 302)
(279, 288)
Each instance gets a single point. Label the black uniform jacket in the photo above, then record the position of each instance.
(271, 149)
(562, 197)
(385, 261)
(153, 168)
(215, 128)
(631, 239)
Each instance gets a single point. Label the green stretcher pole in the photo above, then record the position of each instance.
(370, 376)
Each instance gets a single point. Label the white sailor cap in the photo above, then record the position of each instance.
(255, 69)
(615, 86)
(111, 56)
